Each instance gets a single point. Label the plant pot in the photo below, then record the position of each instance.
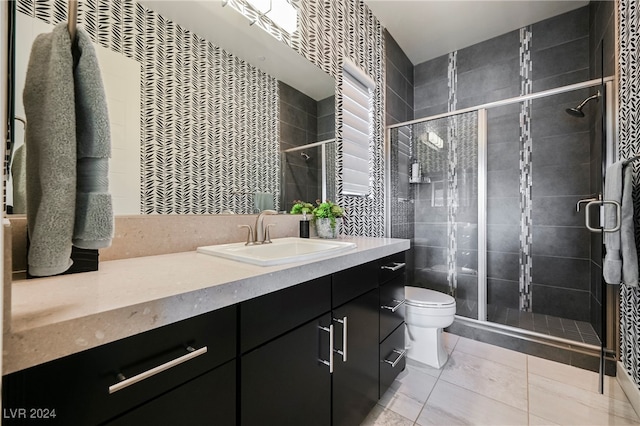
(324, 229)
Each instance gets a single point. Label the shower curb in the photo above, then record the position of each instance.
(577, 354)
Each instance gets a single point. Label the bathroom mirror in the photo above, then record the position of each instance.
(185, 144)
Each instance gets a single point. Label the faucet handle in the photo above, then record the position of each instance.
(267, 237)
(249, 234)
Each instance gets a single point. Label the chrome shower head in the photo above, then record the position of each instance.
(305, 156)
(577, 111)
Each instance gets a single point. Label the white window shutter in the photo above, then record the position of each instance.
(356, 130)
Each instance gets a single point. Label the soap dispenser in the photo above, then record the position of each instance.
(304, 226)
(416, 172)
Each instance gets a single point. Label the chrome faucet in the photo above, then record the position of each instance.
(259, 231)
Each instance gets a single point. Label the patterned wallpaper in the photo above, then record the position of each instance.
(196, 100)
(628, 121)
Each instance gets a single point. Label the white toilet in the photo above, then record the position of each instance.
(427, 313)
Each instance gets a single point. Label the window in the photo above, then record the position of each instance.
(357, 90)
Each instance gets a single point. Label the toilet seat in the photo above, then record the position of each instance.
(425, 298)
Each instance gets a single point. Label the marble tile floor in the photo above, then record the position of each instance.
(482, 384)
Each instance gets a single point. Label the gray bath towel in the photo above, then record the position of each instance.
(94, 211)
(51, 156)
(621, 259)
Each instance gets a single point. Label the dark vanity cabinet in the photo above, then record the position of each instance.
(355, 318)
(317, 353)
(392, 311)
(284, 343)
(180, 371)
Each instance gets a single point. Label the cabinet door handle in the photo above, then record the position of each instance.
(401, 354)
(394, 308)
(124, 382)
(343, 352)
(394, 266)
(330, 362)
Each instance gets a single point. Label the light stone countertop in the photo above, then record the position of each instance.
(58, 316)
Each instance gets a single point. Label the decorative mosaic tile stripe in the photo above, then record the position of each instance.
(526, 227)
(452, 177)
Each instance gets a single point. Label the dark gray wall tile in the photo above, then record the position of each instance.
(430, 111)
(572, 148)
(503, 266)
(434, 69)
(504, 238)
(561, 180)
(560, 80)
(503, 211)
(557, 211)
(499, 49)
(560, 59)
(503, 156)
(431, 94)
(561, 302)
(503, 183)
(561, 29)
(503, 293)
(560, 241)
(562, 272)
(489, 78)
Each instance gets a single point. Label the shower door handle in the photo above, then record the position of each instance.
(587, 215)
(586, 200)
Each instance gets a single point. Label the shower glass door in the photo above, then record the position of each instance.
(441, 184)
(543, 265)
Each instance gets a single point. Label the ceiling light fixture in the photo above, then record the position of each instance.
(280, 12)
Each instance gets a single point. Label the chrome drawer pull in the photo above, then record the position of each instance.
(343, 352)
(394, 266)
(193, 353)
(401, 354)
(330, 362)
(394, 308)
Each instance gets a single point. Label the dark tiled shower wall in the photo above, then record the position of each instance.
(563, 155)
(399, 108)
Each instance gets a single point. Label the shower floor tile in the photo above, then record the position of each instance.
(579, 331)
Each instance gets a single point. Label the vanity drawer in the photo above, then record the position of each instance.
(392, 358)
(392, 309)
(348, 284)
(269, 316)
(392, 266)
(80, 387)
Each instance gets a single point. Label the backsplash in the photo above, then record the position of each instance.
(138, 236)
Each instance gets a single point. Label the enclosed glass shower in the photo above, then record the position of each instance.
(489, 197)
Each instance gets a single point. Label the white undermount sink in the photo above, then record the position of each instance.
(280, 251)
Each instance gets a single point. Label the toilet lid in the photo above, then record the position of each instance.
(425, 297)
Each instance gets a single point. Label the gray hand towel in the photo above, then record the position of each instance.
(621, 259)
(94, 211)
(51, 157)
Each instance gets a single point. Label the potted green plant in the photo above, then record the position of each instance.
(301, 207)
(327, 217)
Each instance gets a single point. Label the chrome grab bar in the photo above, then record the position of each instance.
(401, 354)
(394, 266)
(330, 362)
(124, 382)
(394, 308)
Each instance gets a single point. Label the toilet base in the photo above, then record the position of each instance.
(426, 346)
